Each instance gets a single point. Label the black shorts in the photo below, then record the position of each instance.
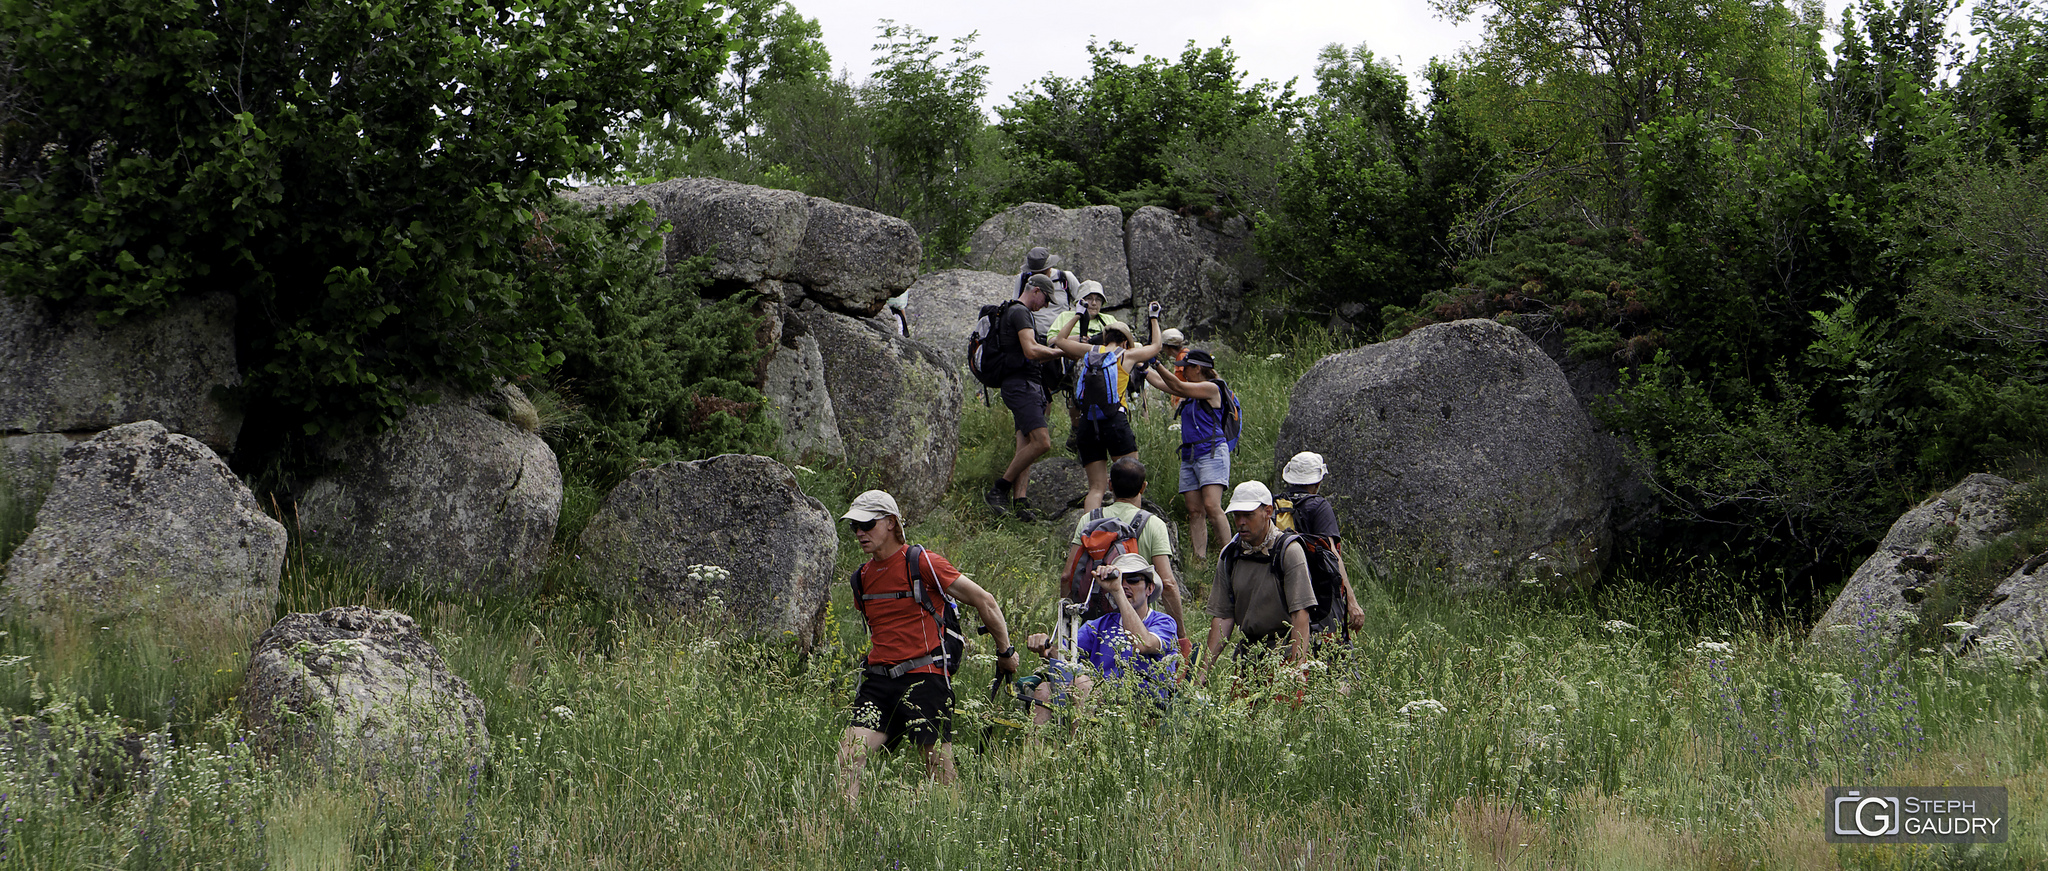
(1099, 440)
(1026, 400)
(914, 706)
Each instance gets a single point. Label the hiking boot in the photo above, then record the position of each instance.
(998, 499)
(1023, 510)
(1074, 445)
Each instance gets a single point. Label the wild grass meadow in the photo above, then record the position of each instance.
(1646, 723)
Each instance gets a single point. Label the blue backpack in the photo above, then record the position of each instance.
(1099, 386)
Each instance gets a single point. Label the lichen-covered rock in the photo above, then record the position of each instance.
(945, 304)
(794, 382)
(782, 244)
(1881, 600)
(365, 686)
(898, 406)
(1089, 242)
(28, 463)
(852, 260)
(2015, 624)
(139, 520)
(734, 528)
(453, 496)
(1459, 446)
(67, 374)
(1187, 267)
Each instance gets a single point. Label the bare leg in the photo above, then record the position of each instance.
(1198, 524)
(1098, 483)
(1212, 504)
(1030, 446)
(854, 748)
(938, 762)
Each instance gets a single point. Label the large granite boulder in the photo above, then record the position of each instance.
(140, 520)
(734, 528)
(779, 243)
(898, 405)
(944, 306)
(1882, 599)
(68, 374)
(853, 260)
(453, 496)
(362, 686)
(794, 382)
(1089, 242)
(1187, 266)
(1458, 446)
(2015, 624)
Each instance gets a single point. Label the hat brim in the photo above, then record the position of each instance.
(1294, 477)
(1245, 505)
(863, 515)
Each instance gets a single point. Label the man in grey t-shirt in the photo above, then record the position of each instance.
(1247, 595)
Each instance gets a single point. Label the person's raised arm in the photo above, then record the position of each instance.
(973, 596)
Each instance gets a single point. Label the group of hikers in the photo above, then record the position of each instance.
(1279, 582)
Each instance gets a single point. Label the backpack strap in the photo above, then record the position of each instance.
(912, 556)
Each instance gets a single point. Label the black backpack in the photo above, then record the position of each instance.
(992, 356)
(1324, 573)
(946, 614)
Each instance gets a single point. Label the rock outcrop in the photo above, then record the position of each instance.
(140, 521)
(1089, 242)
(897, 403)
(736, 529)
(366, 687)
(945, 304)
(798, 401)
(1188, 266)
(1882, 599)
(453, 496)
(1459, 446)
(67, 374)
(779, 244)
(2016, 622)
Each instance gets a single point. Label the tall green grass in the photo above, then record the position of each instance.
(1649, 723)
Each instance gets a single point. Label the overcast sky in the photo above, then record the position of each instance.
(1273, 39)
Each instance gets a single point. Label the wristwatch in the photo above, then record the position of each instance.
(1007, 652)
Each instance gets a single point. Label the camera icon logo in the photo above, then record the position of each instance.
(1871, 816)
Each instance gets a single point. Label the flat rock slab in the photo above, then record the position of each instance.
(68, 374)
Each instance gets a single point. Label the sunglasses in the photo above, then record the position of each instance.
(864, 525)
(1135, 578)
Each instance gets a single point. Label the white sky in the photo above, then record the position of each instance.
(1273, 39)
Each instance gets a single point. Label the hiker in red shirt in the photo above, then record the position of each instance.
(906, 686)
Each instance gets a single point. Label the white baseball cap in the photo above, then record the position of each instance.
(870, 505)
(1306, 468)
(1248, 496)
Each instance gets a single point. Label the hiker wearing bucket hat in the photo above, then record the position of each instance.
(907, 594)
(1245, 597)
(1302, 508)
(1132, 642)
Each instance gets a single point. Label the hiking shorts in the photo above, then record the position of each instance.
(1210, 468)
(914, 706)
(1099, 440)
(1026, 400)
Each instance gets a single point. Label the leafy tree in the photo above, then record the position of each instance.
(1112, 137)
(2003, 90)
(1982, 232)
(772, 45)
(911, 141)
(363, 175)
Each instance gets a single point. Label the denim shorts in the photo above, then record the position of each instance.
(1210, 468)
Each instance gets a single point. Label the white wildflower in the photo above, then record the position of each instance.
(1618, 626)
(805, 469)
(1421, 707)
(563, 713)
(1714, 647)
(1960, 626)
(1276, 356)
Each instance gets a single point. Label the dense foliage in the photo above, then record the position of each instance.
(363, 176)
